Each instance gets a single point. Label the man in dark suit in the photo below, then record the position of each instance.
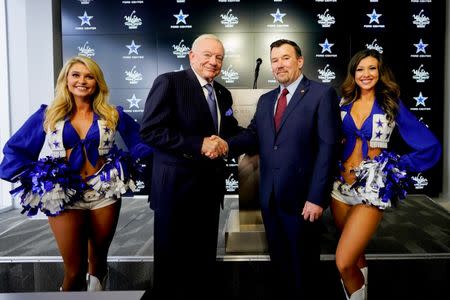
(183, 110)
(295, 131)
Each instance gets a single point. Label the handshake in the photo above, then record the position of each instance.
(214, 147)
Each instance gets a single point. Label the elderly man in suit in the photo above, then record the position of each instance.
(295, 130)
(183, 110)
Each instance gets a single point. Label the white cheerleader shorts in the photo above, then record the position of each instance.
(92, 200)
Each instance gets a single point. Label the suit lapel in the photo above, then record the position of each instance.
(199, 99)
(219, 97)
(271, 110)
(299, 93)
(221, 103)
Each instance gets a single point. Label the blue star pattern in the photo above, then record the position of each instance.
(374, 17)
(133, 48)
(85, 19)
(107, 142)
(181, 18)
(381, 130)
(420, 47)
(278, 16)
(379, 123)
(56, 144)
(420, 100)
(326, 46)
(107, 130)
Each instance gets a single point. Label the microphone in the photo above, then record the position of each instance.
(258, 63)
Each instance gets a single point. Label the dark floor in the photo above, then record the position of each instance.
(418, 227)
(408, 257)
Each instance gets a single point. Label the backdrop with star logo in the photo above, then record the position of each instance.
(134, 41)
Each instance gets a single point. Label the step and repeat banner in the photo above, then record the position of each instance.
(134, 41)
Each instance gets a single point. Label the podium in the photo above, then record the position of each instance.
(244, 228)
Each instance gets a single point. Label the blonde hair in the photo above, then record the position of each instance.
(63, 103)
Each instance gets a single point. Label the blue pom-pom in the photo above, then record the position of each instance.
(384, 176)
(48, 185)
(118, 174)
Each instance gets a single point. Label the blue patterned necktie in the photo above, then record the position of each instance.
(212, 105)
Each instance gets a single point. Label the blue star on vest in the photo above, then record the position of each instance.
(378, 134)
(379, 123)
(56, 144)
(107, 142)
(107, 130)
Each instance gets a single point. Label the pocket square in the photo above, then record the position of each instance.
(229, 112)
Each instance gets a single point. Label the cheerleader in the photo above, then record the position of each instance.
(80, 183)
(372, 177)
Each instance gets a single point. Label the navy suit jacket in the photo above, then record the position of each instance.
(175, 122)
(297, 162)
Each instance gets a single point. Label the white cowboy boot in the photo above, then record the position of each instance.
(365, 272)
(345, 290)
(94, 284)
(359, 294)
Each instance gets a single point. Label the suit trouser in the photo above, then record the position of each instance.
(185, 238)
(294, 248)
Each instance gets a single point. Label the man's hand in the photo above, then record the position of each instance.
(214, 147)
(311, 211)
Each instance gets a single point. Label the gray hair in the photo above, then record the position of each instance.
(206, 36)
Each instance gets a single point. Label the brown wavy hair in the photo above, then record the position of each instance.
(387, 91)
(63, 103)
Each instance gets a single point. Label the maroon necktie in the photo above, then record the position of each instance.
(281, 107)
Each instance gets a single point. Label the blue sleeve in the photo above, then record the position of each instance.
(24, 146)
(426, 149)
(129, 131)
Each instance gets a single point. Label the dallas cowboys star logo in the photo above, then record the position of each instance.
(379, 123)
(420, 47)
(420, 100)
(85, 19)
(181, 18)
(374, 17)
(133, 48)
(278, 16)
(326, 46)
(134, 102)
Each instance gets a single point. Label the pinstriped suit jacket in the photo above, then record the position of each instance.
(175, 121)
